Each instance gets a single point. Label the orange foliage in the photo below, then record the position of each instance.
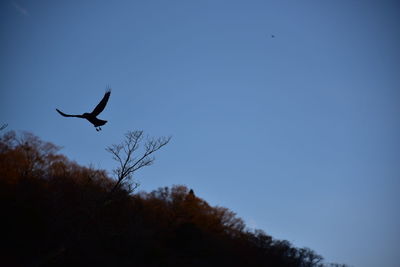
(58, 213)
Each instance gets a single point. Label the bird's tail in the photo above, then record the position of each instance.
(99, 123)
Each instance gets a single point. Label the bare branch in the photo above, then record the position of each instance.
(123, 154)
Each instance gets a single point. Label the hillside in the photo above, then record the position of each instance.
(58, 213)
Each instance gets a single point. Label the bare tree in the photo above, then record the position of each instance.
(128, 162)
(2, 127)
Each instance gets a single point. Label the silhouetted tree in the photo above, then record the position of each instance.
(128, 162)
(53, 215)
(2, 127)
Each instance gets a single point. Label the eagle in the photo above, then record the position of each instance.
(92, 117)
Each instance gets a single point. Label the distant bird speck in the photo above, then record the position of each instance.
(272, 36)
(91, 117)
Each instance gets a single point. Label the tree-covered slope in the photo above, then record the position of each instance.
(57, 213)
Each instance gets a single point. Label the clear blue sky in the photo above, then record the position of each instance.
(298, 134)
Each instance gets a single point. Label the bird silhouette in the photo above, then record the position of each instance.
(92, 117)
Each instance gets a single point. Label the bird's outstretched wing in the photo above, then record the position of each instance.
(100, 107)
(67, 115)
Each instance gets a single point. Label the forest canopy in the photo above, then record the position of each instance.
(58, 213)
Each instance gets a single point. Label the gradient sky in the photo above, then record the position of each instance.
(297, 134)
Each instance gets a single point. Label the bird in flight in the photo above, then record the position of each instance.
(92, 117)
